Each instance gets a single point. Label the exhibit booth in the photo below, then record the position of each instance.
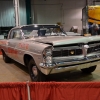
(59, 90)
(91, 20)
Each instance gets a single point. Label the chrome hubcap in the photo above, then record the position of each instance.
(34, 70)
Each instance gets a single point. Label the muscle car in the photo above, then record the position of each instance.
(47, 49)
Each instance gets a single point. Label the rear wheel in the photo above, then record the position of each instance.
(35, 73)
(89, 70)
(6, 58)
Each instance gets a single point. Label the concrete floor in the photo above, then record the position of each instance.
(14, 72)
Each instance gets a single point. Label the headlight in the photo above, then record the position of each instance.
(48, 60)
(47, 55)
(48, 52)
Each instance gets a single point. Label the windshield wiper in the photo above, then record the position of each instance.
(63, 31)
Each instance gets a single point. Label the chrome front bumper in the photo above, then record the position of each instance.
(64, 66)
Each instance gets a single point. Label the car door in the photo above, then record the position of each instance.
(13, 42)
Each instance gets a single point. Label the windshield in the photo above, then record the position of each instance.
(43, 30)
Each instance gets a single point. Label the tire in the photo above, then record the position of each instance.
(35, 74)
(6, 58)
(89, 70)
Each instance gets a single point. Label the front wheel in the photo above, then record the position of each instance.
(35, 73)
(89, 70)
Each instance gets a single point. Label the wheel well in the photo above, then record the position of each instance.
(2, 51)
(27, 58)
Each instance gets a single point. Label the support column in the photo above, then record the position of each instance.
(17, 16)
(28, 11)
(87, 30)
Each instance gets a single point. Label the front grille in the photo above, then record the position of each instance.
(69, 45)
(75, 49)
(56, 54)
(71, 52)
(94, 49)
(94, 46)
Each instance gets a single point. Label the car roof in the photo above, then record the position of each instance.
(36, 25)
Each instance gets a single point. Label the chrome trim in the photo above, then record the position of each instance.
(58, 67)
(78, 61)
(95, 44)
(85, 49)
(64, 69)
(66, 48)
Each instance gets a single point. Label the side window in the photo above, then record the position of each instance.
(15, 34)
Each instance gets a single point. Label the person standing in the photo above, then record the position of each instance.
(94, 29)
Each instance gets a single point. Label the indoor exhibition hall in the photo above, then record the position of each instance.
(49, 49)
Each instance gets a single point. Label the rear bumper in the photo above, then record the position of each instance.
(64, 66)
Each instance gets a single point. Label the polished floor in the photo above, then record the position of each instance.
(14, 72)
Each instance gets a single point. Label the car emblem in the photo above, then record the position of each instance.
(72, 52)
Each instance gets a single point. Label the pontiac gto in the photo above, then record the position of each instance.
(47, 49)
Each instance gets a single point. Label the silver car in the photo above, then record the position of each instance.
(48, 49)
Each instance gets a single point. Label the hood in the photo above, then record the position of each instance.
(59, 40)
